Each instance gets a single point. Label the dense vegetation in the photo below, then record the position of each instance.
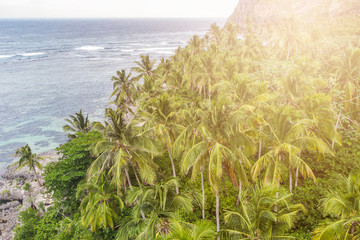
(247, 133)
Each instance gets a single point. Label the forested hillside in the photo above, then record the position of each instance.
(249, 132)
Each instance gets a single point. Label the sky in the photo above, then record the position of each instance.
(116, 8)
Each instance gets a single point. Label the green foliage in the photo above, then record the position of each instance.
(51, 225)
(29, 219)
(264, 212)
(71, 229)
(63, 176)
(99, 204)
(27, 186)
(309, 195)
(345, 208)
(47, 227)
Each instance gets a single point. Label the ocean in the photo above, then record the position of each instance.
(50, 69)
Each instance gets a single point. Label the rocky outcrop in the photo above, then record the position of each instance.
(20, 190)
(264, 11)
(8, 219)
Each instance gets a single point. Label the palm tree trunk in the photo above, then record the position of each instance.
(128, 178)
(259, 156)
(239, 196)
(136, 176)
(276, 196)
(217, 213)
(297, 172)
(203, 193)
(173, 166)
(191, 81)
(278, 185)
(209, 90)
(336, 126)
(288, 51)
(37, 177)
(142, 214)
(290, 179)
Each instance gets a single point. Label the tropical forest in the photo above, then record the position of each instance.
(249, 132)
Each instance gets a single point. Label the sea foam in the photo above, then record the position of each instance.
(89, 48)
(6, 56)
(158, 49)
(31, 54)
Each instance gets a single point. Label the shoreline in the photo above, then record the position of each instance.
(19, 190)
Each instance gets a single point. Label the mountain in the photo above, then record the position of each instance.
(267, 11)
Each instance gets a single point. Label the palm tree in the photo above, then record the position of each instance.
(78, 123)
(265, 214)
(145, 66)
(190, 75)
(195, 44)
(344, 205)
(203, 230)
(207, 72)
(123, 89)
(98, 206)
(348, 73)
(153, 208)
(289, 133)
(214, 150)
(159, 115)
(165, 68)
(230, 32)
(192, 157)
(120, 149)
(215, 33)
(315, 107)
(29, 159)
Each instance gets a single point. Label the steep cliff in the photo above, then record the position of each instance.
(265, 11)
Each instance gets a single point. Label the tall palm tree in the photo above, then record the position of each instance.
(265, 214)
(214, 150)
(165, 68)
(29, 159)
(215, 33)
(77, 123)
(230, 35)
(348, 73)
(99, 204)
(344, 205)
(190, 74)
(159, 115)
(289, 134)
(153, 208)
(195, 44)
(122, 149)
(145, 66)
(207, 72)
(123, 89)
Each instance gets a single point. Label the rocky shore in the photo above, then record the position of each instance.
(20, 190)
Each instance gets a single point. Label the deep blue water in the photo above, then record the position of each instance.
(50, 69)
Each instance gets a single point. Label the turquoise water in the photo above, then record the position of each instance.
(50, 69)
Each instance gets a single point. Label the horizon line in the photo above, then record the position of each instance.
(104, 18)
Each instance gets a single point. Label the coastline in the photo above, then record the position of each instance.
(19, 190)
